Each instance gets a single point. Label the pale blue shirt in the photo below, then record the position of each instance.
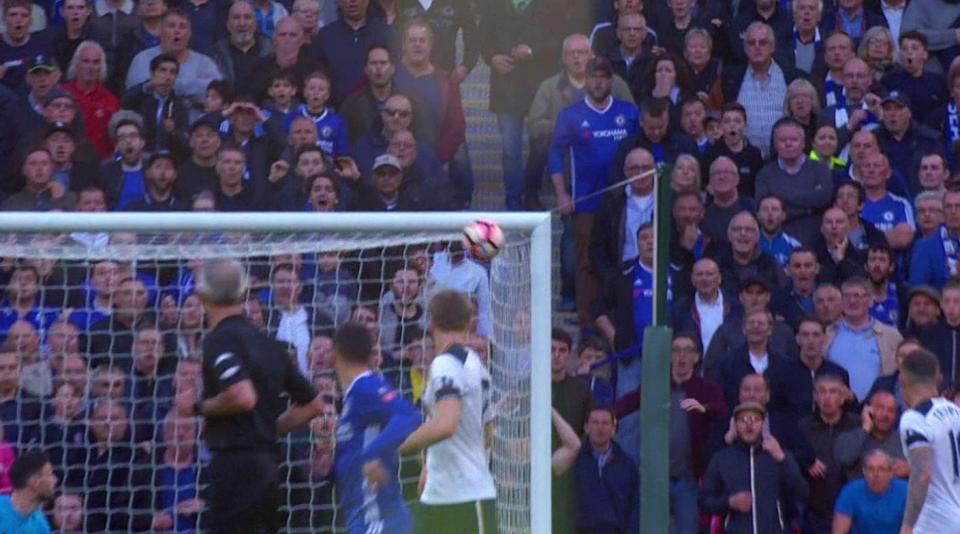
(11, 522)
(857, 352)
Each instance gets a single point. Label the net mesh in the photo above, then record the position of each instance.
(100, 332)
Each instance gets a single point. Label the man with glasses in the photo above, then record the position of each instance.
(631, 58)
(760, 84)
(746, 480)
(929, 209)
(934, 258)
(743, 259)
(863, 346)
(696, 406)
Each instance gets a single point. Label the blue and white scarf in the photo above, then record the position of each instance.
(950, 250)
(953, 129)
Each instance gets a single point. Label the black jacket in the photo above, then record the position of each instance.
(741, 467)
(785, 377)
(142, 100)
(823, 437)
(542, 26)
(944, 341)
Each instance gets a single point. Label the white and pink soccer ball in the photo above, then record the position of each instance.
(483, 239)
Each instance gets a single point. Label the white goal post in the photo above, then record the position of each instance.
(532, 231)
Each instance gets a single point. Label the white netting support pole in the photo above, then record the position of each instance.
(541, 252)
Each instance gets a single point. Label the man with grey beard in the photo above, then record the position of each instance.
(237, 54)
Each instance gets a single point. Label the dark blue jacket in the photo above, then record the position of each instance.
(786, 379)
(344, 51)
(608, 497)
(740, 467)
(928, 265)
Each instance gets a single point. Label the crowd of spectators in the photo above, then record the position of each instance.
(810, 147)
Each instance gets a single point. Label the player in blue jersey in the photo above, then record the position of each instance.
(331, 128)
(374, 421)
(891, 214)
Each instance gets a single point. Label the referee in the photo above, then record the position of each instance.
(245, 374)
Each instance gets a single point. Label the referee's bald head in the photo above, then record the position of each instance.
(222, 282)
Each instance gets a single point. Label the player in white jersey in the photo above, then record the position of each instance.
(930, 433)
(458, 494)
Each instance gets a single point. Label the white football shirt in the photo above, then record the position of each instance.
(935, 423)
(457, 469)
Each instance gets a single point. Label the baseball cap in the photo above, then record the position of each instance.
(41, 62)
(205, 120)
(57, 93)
(925, 290)
(161, 154)
(58, 127)
(897, 97)
(599, 63)
(755, 280)
(755, 407)
(387, 160)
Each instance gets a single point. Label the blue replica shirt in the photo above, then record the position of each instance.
(375, 421)
(888, 212)
(780, 246)
(40, 318)
(643, 298)
(887, 310)
(331, 130)
(873, 513)
(133, 188)
(590, 137)
(11, 522)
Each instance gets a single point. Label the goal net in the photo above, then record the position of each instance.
(100, 328)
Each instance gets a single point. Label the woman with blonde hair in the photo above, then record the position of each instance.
(802, 104)
(877, 48)
(685, 175)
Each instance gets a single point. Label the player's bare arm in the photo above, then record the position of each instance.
(920, 460)
(441, 426)
(298, 415)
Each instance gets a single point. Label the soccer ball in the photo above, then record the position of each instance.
(483, 239)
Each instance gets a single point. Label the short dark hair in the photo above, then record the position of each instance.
(695, 338)
(161, 59)
(225, 90)
(451, 310)
(284, 75)
(813, 320)
(921, 366)
(654, 107)
(734, 107)
(881, 247)
(26, 466)
(692, 100)
(774, 196)
(914, 35)
(561, 335)
(353, 342)
(593, 342)
(176, 12)
(801, 250)
(785, 121)
(857, 186)
(378, 46)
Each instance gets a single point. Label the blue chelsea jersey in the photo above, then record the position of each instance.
(375, 420)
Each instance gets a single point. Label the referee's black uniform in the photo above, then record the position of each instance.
(243, 471)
